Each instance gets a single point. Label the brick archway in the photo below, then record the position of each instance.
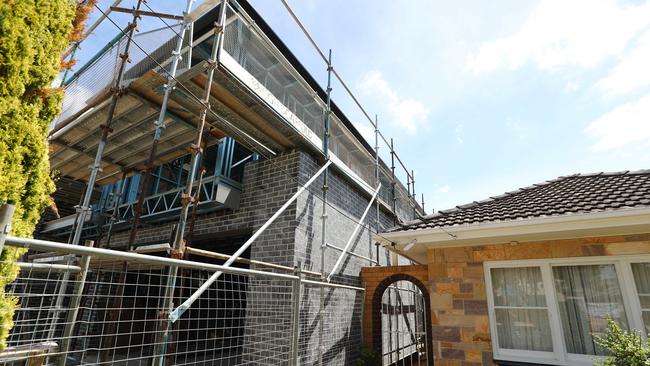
(376, 280)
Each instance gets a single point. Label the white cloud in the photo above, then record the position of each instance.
(571, 87)
(631, 73)
(459, 134)
(559, 32)
(406, 113)
(443, 189)
(622, 126)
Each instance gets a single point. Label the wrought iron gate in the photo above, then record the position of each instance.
(403, 325)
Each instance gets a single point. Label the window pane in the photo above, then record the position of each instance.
(518, 287)
(587, 296)
(642, 279)
(524, 329)
(520, 309)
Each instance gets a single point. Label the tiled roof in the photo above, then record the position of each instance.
(566, 195)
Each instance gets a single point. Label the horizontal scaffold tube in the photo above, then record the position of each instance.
(211, 254)
(47, 267)
(174, 315)
(45, 245)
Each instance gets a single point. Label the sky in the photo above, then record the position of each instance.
(481, 97)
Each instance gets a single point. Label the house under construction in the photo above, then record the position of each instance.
(208, 141)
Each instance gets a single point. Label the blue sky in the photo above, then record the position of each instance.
(481, 97)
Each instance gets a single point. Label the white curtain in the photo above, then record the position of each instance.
(520, 309)
(587, 296)
(642, 279)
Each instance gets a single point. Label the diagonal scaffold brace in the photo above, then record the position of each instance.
(176, 314)
(354, 234)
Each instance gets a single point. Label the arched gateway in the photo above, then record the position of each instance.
(397, 315)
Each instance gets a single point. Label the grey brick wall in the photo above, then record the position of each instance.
(342, 325)
(294, 238)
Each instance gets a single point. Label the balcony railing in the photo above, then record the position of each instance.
(215, 191)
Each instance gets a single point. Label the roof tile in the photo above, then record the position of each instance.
(566, 195)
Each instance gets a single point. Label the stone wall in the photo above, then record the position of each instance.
(460, 325)
(460, 329)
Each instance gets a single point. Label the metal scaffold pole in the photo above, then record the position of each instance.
(85, 207)
(423, 209)
(160, 122)
(392, 182)
(376, 182)
(84, 210)
(414, 197)
(187, 197)
(323, 247)
(117, 199)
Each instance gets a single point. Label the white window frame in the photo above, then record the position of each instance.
(559, 356)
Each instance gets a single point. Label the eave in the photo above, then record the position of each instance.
(606, 223)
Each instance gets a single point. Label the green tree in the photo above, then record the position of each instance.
(33, 35)
(623, 348)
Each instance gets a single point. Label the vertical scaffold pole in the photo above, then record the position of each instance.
(414, 197)
(116, 209)
(6, 213)
(408, 187)
(179, 244)
(85, 207)
(377, 185)
(393, 182)
(425, 211)
(73, 307)
(326, 152)
(295, 315)
(84, 210)
(160, 123)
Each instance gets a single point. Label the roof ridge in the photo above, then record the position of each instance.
(608, 174)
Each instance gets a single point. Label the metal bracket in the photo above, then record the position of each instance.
(210, 64)
(177, 253)
(186, 199)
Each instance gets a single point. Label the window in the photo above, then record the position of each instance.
(642, 280)
(520, 309)
(586, 296)
(552, 310)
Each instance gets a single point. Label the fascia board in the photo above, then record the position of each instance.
(521, 228)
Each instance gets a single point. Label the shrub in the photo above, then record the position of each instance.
(368, 357)
(33, 35)
(624, 348)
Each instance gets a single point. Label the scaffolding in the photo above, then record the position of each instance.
(214, 75)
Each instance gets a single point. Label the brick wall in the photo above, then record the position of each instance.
(375, 280)
(267, 184)
(454, 279)
(295, 237)
(342, 332)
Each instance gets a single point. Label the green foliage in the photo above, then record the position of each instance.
(368, 358)
(624, 348)
(33, 34)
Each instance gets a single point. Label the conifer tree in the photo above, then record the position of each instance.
(33, 36)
